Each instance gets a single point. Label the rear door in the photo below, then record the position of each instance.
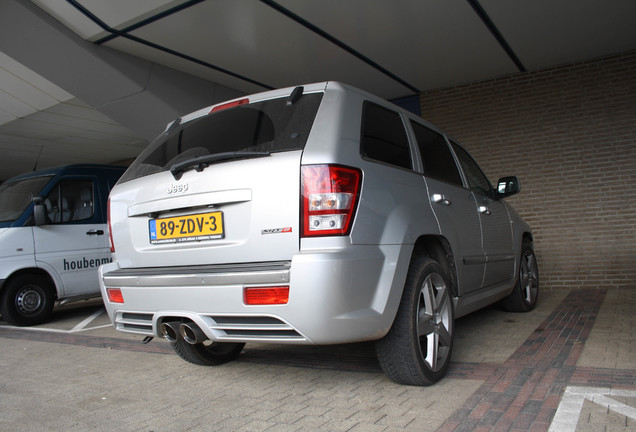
(454, 206)
(73, 243)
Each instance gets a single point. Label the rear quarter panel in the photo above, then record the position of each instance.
(393, 207)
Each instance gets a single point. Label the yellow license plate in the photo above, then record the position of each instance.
(198, 227)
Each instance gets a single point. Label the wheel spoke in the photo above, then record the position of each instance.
(425, 325)
(532, 271)
(441, 300)
(431, 350)
(428, 297)
(434, 326)
(527, 290)
(444, 335)
(528, 277)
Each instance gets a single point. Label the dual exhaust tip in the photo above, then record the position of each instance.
(188, 331)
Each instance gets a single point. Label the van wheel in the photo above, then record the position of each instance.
(27, 300)
(526, 291)
(417, 349)
(207, 353)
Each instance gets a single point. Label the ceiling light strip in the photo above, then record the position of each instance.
(337, 42)
(123, 34)
(195, 60)
(495, 32)
(150, 20)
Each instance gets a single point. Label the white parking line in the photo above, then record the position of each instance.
(81, 327)
(88, 320)
(52, 330)
(567, 415)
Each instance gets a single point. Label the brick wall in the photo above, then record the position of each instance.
(569, 134)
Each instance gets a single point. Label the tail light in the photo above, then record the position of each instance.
(329, 199)
(110, 230)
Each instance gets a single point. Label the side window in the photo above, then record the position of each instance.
(70, 200)
(383, 136)
(477, 180)
(437, 158)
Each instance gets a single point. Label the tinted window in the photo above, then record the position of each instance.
(383, 136)
(477, 180)
(70, 200)
(437, 158)
(269, 126)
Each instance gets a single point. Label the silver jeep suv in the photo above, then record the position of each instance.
(318, 214)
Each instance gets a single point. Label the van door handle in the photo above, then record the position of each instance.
(440, 199)
(484, 210)
(95, 232)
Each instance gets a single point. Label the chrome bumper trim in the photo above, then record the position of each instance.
(226, 274)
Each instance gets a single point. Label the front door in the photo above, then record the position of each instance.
(495, 223)
(74, 241)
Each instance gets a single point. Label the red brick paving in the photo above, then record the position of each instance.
(531, 382)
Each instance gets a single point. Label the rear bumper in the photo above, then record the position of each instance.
(335, 297)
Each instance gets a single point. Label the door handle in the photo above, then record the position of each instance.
(484, 210)
(95, 232)
(440, 199)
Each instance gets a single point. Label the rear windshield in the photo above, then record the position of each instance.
(265, 127)
(16, 196)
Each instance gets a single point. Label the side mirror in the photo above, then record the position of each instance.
(39, 211)
(508, 186)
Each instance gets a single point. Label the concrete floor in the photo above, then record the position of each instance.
(569, 365)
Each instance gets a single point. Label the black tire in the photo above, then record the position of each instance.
(207, 353)
(526, 291)
(417, 349)
(27, 300)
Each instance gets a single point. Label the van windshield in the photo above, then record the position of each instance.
(16, 196)
(248, 130)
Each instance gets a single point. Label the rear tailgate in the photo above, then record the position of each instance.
(232, 212)
(219, 186)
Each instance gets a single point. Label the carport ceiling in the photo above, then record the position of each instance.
(392, 48)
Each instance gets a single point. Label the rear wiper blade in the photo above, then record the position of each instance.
(202, 162)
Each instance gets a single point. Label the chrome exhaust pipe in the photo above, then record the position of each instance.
(169, 331)
(191, 333)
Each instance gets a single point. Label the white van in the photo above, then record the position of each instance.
(53, 237)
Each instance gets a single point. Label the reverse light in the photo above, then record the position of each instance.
(229, 105)
(329, 199)
(114, 295)
(266, 295)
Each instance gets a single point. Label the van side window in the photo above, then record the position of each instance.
(437, 158)
(477, 180)
(383, 136)
(71, 200)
